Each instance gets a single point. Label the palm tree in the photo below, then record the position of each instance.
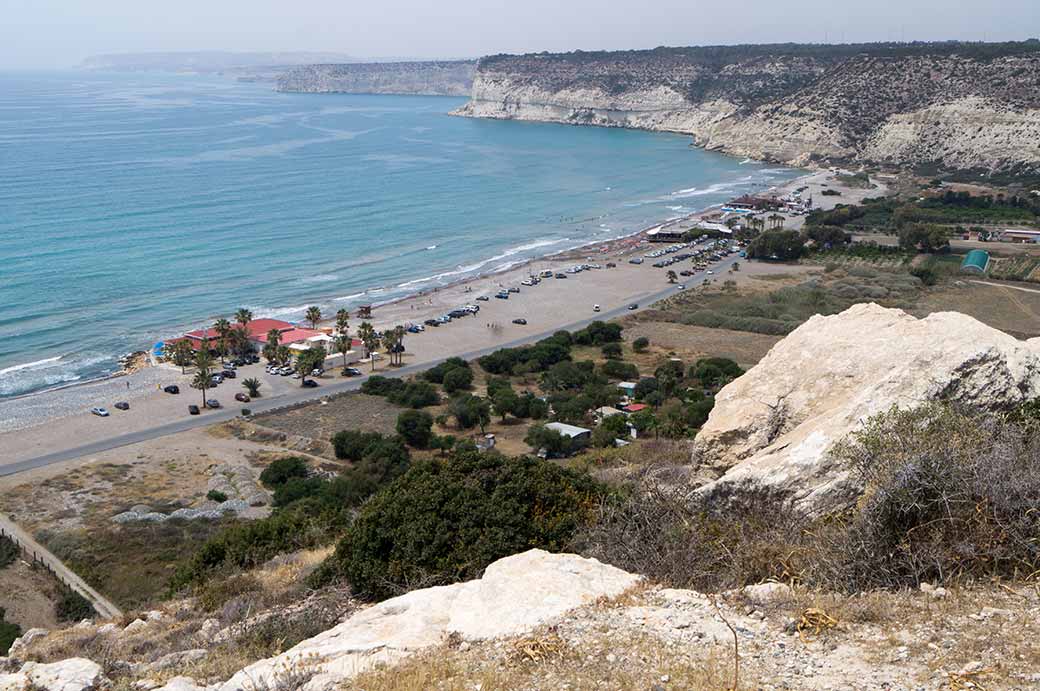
(368, 336)
(252, 385)
(343, 341)
(399, 333)
(672, 277)
(243, 317)
(342, 345)
(223, 329)
(203, 369)
(313, 315)
(391, 341)
(274, 337)
(342, 322)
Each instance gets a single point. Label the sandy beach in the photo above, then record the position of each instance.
(52, 421)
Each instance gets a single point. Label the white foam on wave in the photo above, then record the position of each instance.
(46, 362)
(432, 247)
(476, 266)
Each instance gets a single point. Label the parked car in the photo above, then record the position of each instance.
(193, 409)
(317, 372)
(521, 321)
(212, 403)
(514, 289)
(504, 295)
(309, 383)
(414, 329)
(216, 379)
(527, 282)
(483, 298)
(560, 275)
(637, 260)
(230, 374)
(122, 405)
(595, 308)
(285, 371)
(352, 372)
(241, 398)
(229, 366)
(432, 322)
(100, 412)
(172, 388)
(611, 265)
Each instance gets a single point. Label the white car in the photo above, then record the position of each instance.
(100, 412)
(595, 308)
(710, 272)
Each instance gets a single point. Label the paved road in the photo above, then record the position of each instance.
(104, 608)
(307, 395)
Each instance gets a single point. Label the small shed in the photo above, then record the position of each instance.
(975, 262)
(627, 387)
(606, 411)
(577, 433)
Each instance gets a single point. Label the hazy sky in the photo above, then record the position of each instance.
(60, 33)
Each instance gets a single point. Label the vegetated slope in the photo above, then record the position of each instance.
(953, 105)
(444, 78)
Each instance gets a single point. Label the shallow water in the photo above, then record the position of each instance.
(135, 206)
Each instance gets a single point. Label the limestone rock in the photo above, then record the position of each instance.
(767, 593)
(515, 595)
(178, 659)
(181, 684)
(19, 645)
(73, 674)
(775, 425)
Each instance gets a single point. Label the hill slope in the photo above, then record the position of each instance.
(959, 106)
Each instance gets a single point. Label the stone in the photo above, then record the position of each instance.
(73, 674)
(515, 595)
(177, 659)
(181, 684)
(209, 628)
(107, 629)
(767, 593)
(775, 425)
(136, 626)
(20, 644)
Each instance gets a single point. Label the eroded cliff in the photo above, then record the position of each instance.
(444, 78)
(960, 106)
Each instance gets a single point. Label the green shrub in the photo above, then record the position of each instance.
(377, 385)
(436, 373)
(458, 379)
(9, 631)
(611, 351)
(555, 445)
(622, 371)
(715, 372)
(352, 444)
(598, 333)
(415, 427)
(641, 344)
(71, 606)
(281, 470)
(216, 495)
(446, 520)
(417, 394)
(9, 551)
(470, 411)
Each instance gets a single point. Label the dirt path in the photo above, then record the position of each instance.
(103, 607)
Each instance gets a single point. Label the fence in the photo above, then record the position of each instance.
(41, 557)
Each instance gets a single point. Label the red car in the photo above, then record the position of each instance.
(242, 398)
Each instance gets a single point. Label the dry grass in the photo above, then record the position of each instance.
(545, 660)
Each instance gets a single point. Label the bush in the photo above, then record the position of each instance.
(415, 427)
(417, 394)
(947, 496)
(436, 373)
(598, 333)
(377, 385)
(446, 520)
(641, 344)
(71, 606)
(645, 387)
(715, 372)
(9, 551)
(622, 371)
(555, 445)
(458, 379)
(611, 351)
(470, 411)
(9, 631)
(216, 495)
(534, 358)
(781, 245)
(282, 470)
(352, 445)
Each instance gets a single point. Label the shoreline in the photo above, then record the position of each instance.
(571, 253)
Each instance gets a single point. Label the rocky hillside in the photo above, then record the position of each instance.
(447, 78)
(775, 425)
(959, 106)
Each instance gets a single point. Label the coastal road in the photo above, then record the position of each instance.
(39, 553)
(339, 387)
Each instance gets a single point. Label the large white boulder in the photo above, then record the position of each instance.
(515, 595)
(775, 425)
(73, 674)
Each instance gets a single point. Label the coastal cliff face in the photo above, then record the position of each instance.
(447, 78)
(948, 105)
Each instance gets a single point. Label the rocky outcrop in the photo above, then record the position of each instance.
(515, 595)
(74, 674)
(775, 425)
(436, 78)
(957, 106)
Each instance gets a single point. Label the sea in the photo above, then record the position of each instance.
(136, 206)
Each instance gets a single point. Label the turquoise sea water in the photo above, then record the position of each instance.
(135, 206)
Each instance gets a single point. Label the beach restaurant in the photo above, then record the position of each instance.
(296, 338)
